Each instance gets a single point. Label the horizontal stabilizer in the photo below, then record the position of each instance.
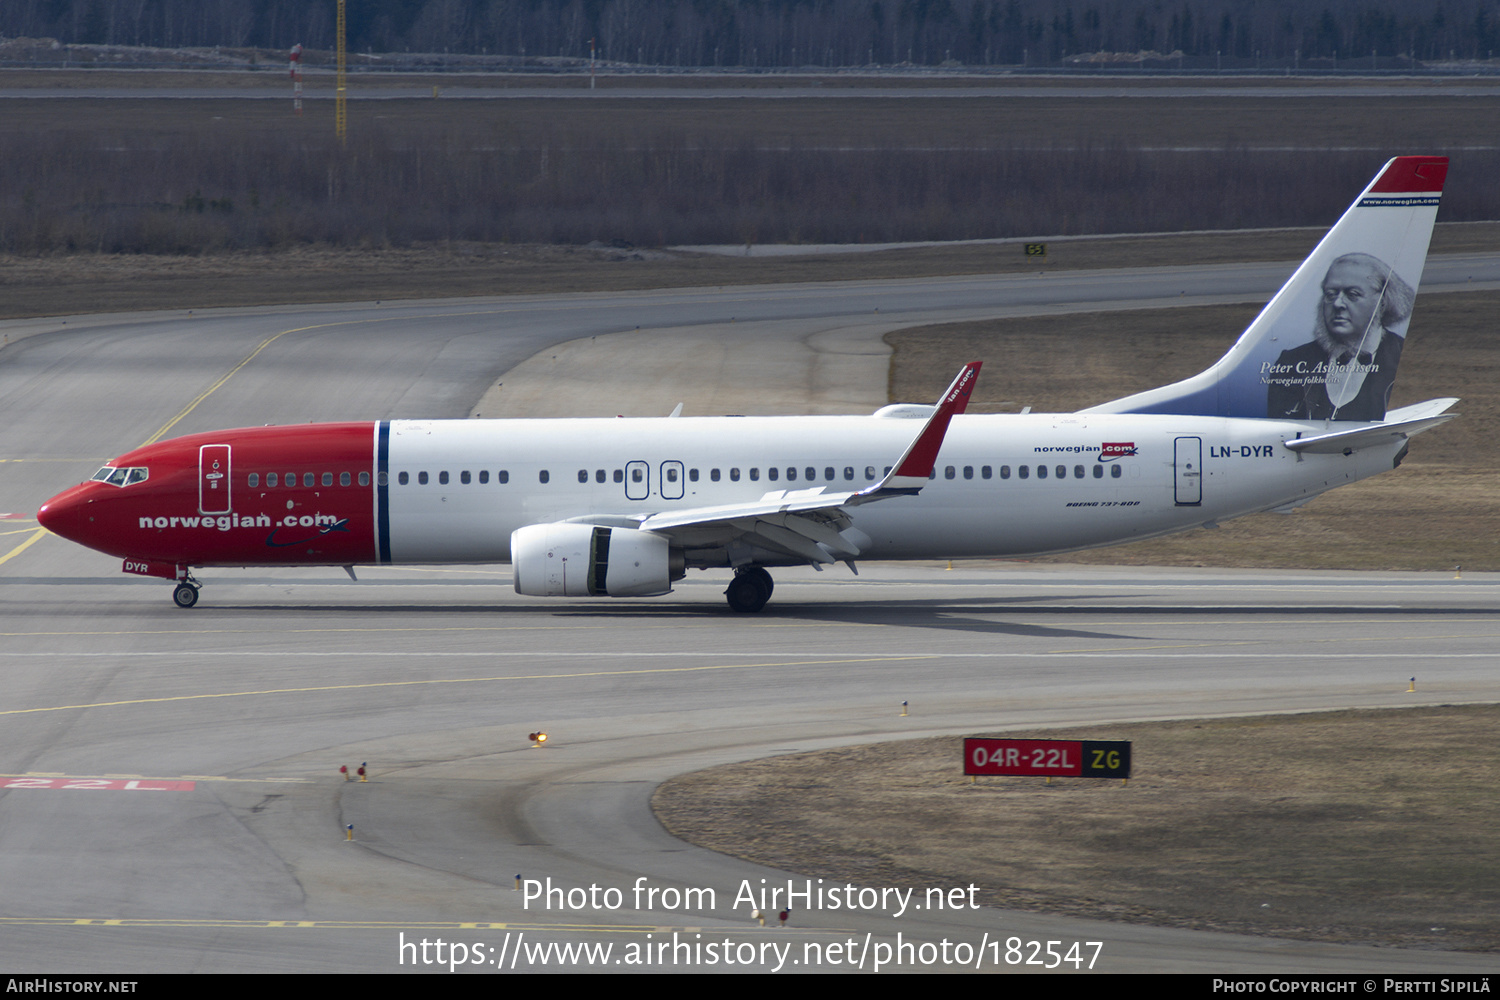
(1412, 420)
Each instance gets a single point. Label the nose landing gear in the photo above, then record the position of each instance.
(185, 594)
(750, 589)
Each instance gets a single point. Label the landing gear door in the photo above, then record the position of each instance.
(213, 479)
(1188, 461)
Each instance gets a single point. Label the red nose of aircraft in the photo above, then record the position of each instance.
(71, 515)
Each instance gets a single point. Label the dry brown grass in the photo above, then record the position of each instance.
(196, 175)
(1419, 121)
(1318, 826)
(58, 284)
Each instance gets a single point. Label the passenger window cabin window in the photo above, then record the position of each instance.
(619, 475)
(672, 474)
(364, 479)
(635, 475)
(402, 478)
(950, 472)
(813, 473)
(1077, 472)
(849, 473)
(1041, 472)
(442, 478)
(985, 472)
(1004, 472)
(543, 476)
(933, 473)
(344, 478)
(382, 478)
(1098, 472)
(503, 476)
(599, 476)
(828, 474)
(771, 473)
(270, 479)
(1114, 472)
(327, 479)
(463, 477)
(307, 479)
(692, 475)
(290, 479)
(734, 475)
(1023, 471)
(1062, 472)
(583, 475)
(968, 472)
(421, 479)
(887, 470)
(754, 475)
(484, 476)
(254, 480)
(713, 474)
(870, 472)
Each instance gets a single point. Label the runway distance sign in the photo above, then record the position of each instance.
(1047, 758)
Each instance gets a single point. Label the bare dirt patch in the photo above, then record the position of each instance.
(1319, 826)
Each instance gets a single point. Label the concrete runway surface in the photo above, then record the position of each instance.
(214, 837)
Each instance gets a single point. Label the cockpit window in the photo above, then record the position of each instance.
(120, 477)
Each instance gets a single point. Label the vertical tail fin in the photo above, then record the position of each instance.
(1327, 345)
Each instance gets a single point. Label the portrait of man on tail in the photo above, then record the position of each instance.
(1346, 371)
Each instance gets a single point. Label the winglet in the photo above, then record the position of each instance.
(911, 473)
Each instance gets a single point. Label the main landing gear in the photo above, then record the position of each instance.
(750, 589)
(185, 594)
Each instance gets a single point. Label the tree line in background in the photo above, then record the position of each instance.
(796, 33)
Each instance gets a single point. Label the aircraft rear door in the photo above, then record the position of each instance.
(213, 479)
(1187, 460)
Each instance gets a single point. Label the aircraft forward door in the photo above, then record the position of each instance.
(637, 481)
(213, 479)
(671, 481)
(1187, 461)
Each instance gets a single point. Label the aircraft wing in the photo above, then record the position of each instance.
(806, 524)
(814, 525)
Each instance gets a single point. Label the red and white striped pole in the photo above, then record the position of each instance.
(297, 79)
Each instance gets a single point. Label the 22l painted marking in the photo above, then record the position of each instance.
(101, 784)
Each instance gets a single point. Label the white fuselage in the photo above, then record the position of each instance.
(1005, 485)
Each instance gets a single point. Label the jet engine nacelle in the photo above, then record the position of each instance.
(586, 560)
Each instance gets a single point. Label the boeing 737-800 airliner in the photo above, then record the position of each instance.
(625, 507)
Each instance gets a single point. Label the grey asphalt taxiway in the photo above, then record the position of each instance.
(170, 798)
